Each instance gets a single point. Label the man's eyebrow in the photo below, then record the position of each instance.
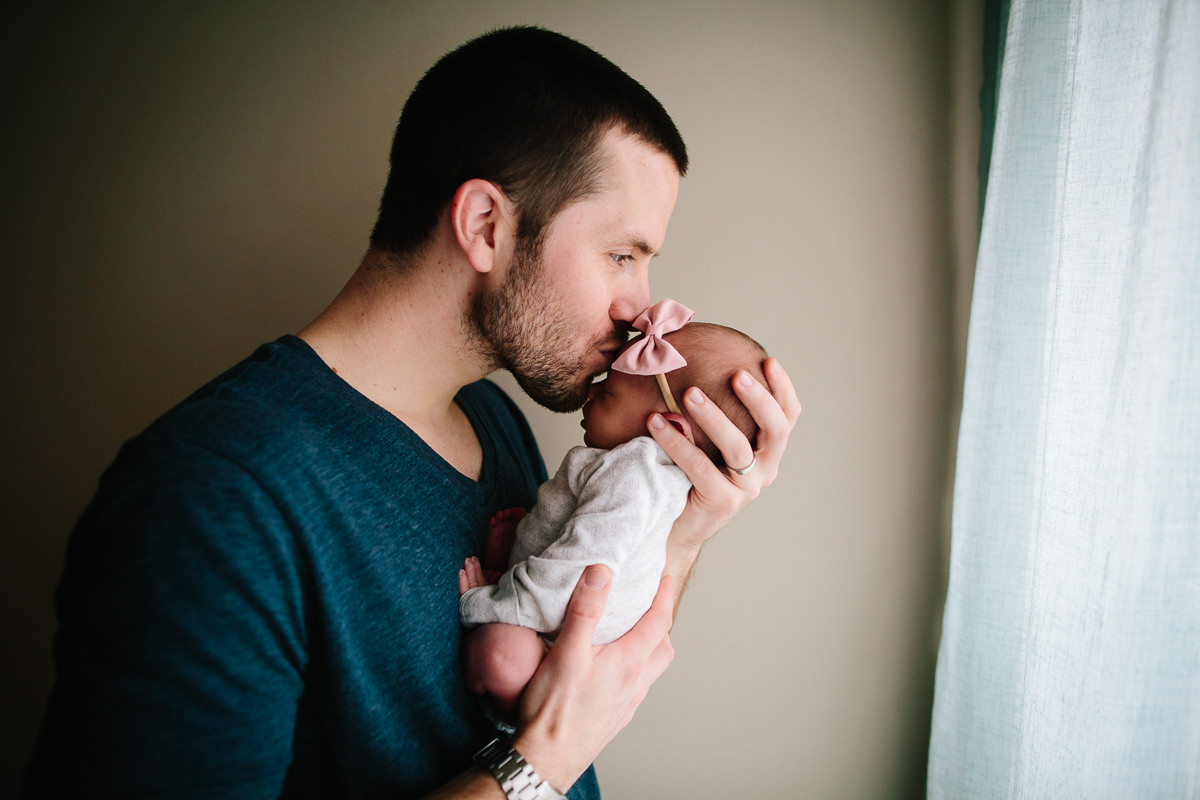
(640, 244)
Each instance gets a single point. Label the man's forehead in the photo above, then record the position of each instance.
(640, 184)
(618, 227)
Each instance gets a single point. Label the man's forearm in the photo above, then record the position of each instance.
(681, 561)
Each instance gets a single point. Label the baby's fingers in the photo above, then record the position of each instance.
(470, 576)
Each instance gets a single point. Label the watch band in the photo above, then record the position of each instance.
(517, 777)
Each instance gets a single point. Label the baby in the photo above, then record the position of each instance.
(611, 502)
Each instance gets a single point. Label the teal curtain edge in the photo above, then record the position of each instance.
(995, 29)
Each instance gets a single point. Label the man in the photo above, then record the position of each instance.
(262, 599)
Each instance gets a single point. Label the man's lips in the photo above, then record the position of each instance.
(602, 364)
(610, 351)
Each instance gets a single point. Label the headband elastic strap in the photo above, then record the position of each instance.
(670, 398)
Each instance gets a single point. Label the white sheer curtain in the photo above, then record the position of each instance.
(1070, 658)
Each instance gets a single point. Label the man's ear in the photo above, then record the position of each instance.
(680, 423)
(483, 222)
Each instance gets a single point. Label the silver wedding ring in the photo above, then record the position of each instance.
(748, 468)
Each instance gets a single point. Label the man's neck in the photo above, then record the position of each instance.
(399, 339)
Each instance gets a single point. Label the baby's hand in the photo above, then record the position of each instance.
(470, 576)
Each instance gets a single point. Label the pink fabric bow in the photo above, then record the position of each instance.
(651, 354)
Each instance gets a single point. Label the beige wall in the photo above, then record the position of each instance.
(188, 183)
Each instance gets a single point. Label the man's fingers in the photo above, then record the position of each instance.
(651, 630)
(766, 410)
(782, 389)
(775, 423)
(732, 443)
(581, 695)
(660, 659)
(775, 411)
(687, 456)
(585, 608)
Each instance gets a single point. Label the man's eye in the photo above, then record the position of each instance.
(622, 259)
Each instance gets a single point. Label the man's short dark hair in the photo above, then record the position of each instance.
(524, 108)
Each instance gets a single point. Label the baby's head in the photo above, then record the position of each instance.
(618, 406)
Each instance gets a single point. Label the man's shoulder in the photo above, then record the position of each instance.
(263, 407)
(260, 380)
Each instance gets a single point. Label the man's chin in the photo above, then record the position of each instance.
(560, 399)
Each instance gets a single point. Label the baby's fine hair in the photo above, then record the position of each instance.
(714, 354)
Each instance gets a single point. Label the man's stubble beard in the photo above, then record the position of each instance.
(515, 327)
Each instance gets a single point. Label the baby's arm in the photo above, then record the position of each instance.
(488, 598)
(628, 493)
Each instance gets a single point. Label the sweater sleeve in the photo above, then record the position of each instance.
(181, 642)
(628, 498)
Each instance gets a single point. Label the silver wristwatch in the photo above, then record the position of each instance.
(517, 777)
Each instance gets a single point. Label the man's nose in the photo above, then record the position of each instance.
(633, 301)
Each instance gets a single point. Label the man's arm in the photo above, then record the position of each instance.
(581, 696)
(717, 495)
(180, 649)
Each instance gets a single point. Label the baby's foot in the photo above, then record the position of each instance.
(505, 522)
(502, 531)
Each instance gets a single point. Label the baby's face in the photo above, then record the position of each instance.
(617, 409)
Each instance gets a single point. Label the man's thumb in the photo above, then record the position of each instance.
(586, 605)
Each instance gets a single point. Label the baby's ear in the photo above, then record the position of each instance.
(680, 423)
